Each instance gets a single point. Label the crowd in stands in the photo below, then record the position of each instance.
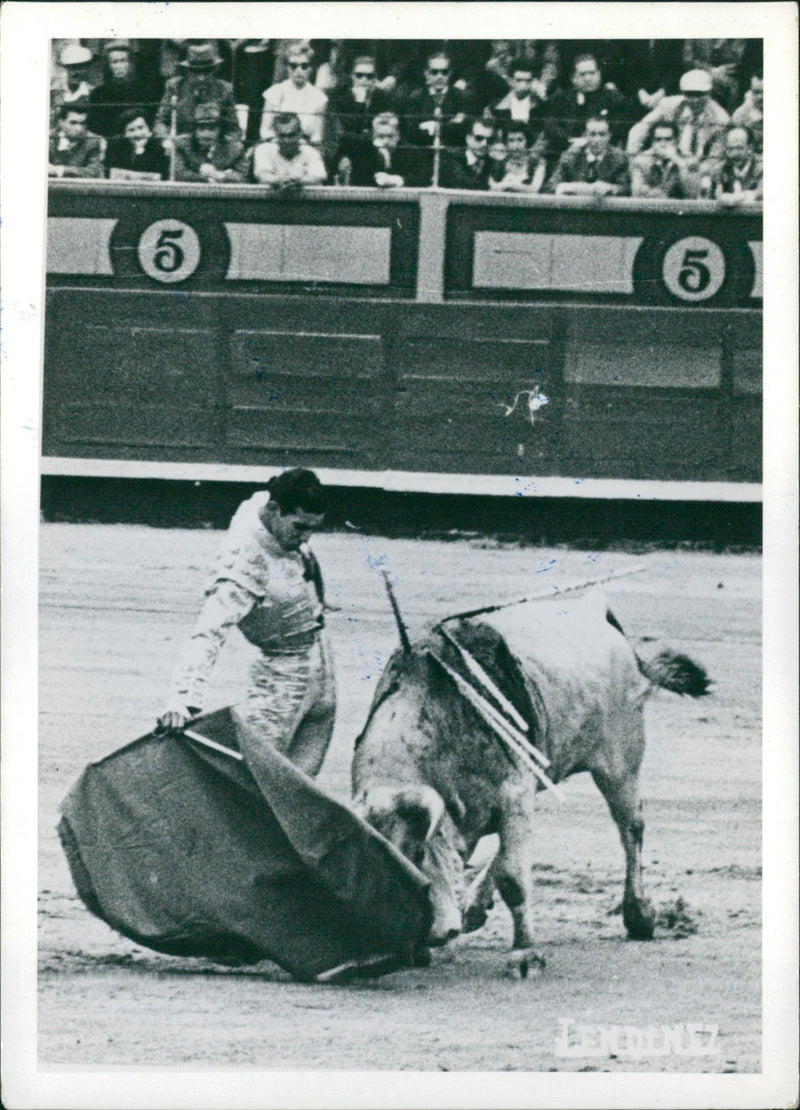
(644, 118)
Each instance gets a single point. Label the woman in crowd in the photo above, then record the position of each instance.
(518, 165)
(136, 150)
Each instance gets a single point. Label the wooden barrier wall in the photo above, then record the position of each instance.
(412, 340)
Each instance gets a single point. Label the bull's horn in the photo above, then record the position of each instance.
(428, 799)
(401, 628)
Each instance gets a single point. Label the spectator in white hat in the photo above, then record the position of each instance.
(701, 122)
(74, 84)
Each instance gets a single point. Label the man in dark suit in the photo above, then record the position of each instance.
(567, 112)
(592, 167)
(74, 151)
(438, 113)
(356, 107)
(383, 162)
(521, 105)
(470, 168)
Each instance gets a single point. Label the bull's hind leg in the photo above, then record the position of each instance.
(622, 795)
(513, 873)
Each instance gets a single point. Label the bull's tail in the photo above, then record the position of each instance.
(669, 669)
(678, 673)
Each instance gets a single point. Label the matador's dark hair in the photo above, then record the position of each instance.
(297, 488)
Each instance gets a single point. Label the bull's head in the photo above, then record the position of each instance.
(414, 820)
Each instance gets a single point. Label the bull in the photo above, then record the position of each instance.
(431, 774)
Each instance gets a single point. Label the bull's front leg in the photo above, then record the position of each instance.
(513, 873)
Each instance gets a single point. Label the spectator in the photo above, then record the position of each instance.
(723, 60)
(700, 120)
(253, 65)
(738, 177)
(593, 168)
(331, 73)
(382, 163)
(659, 171)
(207, 154)
(521, 104)
(198, 85)
(650, 70)
(137, 154)
(569, 110)
(287, 160)
(297, 96)
(356, 106)
(75, 151)
(750, 113)
(120, 90)
(523, 167)
(283, 48)
(437, 112)
(74, 86)
(470, 168)
(493, 80)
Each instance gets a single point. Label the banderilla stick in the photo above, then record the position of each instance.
(544, 594)
(510, 737)
(483, 678)
(404, 640)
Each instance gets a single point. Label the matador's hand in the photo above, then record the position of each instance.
(172, 721)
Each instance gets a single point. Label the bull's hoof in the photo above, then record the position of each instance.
(639, 919)
(525, 963)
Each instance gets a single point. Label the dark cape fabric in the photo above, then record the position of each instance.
(177, 847)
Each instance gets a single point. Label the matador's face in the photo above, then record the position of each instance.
(291, 529)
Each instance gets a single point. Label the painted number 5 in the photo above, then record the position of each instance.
(694, 269)
(169, 251)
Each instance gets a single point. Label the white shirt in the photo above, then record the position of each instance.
(270, 167)
(520, 109)
(308, 103)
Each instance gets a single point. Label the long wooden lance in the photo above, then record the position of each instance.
(542, 595)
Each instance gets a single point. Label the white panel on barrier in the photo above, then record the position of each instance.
(307, 252)
(579, 263)
(79, 245)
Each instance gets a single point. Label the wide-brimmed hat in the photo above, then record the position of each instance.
(201, 56)
(696, 80)
(74, 55)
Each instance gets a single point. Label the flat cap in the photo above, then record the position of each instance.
(696, 80)
(74, 55)
(118, 44)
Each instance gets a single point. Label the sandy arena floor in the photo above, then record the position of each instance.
(115, 601)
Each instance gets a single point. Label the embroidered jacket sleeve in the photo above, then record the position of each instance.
(227, 603)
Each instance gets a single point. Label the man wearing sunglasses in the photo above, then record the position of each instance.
(438, 107)
(357, 106)
(700, 121)
(298, 96)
